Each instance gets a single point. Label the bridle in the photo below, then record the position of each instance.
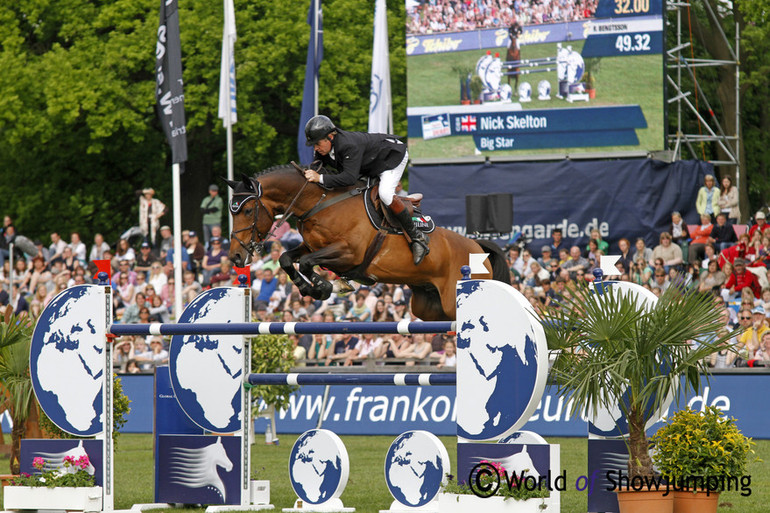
(257, 239)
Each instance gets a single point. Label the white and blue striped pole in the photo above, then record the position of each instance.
(401, 379)
(282, 328)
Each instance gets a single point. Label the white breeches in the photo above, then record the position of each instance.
(389, 181)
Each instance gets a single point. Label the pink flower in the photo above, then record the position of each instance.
(69, 459)
(83, 462)
(38, 463)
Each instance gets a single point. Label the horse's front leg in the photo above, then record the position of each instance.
(287, 260)
(335, 256)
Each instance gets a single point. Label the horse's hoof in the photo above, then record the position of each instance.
(324, 290)
(304, 290)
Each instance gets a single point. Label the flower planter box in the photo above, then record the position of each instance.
(456, 503)
(87, 499)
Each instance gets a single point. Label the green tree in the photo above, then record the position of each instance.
(78, 129)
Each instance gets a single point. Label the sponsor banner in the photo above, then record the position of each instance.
(386, 410)
(492, 38)
(623, 198)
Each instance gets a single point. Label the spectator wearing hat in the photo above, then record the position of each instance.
(216, 231)
(740, 279)
(150, 211)
(145, 259)
(211, 208)
(195, 250)
(761, 224)
(166, 241)
(750, 339)
(401, 312)
(545, 256)
(707, 201)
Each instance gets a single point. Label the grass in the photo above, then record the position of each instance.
(433, 79)
(366, 490)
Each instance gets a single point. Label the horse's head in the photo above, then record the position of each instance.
(251, 220)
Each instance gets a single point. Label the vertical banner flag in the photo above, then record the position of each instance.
(315, 53)
(227, 110)
(169, 92)
(380, 109)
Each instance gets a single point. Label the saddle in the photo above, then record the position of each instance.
(382, 219)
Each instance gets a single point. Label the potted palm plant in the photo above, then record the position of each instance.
(613, 351)
(701, 454)
(15, 383)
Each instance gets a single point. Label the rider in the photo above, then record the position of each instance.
(356, 154)
(514, 32)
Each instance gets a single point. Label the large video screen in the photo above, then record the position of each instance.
(525, 77)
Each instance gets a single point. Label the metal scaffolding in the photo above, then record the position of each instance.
(678, 66)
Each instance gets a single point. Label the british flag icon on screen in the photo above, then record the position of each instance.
(467, 123)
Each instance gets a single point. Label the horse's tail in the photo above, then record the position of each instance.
(500, 270)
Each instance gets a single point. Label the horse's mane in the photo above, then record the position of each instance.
(275, 169)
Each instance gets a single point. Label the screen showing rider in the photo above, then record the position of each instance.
(357, 154)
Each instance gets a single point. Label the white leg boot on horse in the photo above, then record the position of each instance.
(418, 240)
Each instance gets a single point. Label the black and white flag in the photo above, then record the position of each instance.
(169, 92)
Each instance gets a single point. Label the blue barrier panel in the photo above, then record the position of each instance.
(378, 403)
(280, 328)
(139, 390)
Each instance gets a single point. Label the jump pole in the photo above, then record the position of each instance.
(283, 328)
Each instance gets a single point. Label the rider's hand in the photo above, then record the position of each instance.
(312, 176)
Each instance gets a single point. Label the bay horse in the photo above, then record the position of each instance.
(338, 235)
(513, 55)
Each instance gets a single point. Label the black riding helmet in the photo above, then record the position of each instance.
(317, 128)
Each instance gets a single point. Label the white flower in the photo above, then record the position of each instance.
(42, 480)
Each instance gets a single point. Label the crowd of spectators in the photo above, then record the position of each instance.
(144, 292)
(717, 256)
(438, 16)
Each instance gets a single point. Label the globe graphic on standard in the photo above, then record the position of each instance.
(316, 466)
(67, 360)
(414, 469)
(207, 370)
(497, 361)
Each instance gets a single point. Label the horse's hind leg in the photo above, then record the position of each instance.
(427, 304)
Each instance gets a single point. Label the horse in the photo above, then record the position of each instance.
(513, 55)
(338, 236)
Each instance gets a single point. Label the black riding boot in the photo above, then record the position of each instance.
(419, 245)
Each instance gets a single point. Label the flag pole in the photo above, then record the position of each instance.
(315, 60)
(175, 183)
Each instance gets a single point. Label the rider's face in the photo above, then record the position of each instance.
(324, 146)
